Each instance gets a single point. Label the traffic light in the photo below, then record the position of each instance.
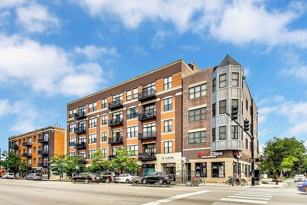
(246, 125)
(234, 113)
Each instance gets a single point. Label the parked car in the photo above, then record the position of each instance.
(302, 187)
(156, 178)
(125, 178)
(30, 176)
(86, 178)
(108, 176)
(299, 178)
(8, 176)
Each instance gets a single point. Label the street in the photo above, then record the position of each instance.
(21, 192)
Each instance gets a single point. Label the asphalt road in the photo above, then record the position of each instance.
(20, 192)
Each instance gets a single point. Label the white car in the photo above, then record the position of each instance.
(124, 178)
(299, 178)
(8, 176)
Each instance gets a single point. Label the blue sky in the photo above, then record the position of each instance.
(52, 52)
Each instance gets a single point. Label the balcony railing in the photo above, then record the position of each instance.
(80, 130)
(79, 115)
(115, 121)
(15, 146)
(27, 144)
(43, 140)
(147, 156)
(116, 140)
(147, 136)
(27, 154)
(42, 165)
(80, 145)
(147, 116)
(115, 104)
(147, 95)
(43, 152)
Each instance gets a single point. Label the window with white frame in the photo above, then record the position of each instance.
(149, 129)
(234, 131)
(222, 107)
(197, 114)
(104, 119)
(82, 139)
(168, 126)
(167, 83)
(104, 103)
(92, 122)
(222, 133)
(132, 131)
(132, 94)
(104, 152)
(168, 147)
(132, 150)
(223, 80)
(198, 91)
(92, 138)
(197, 137)
(92, 107)
(104, 137)
(82, 154)
(72, 127)
(92, 153)
(149, 89)
(117, 115)
(129, 95)
(168, 105)
(235, 79)
(72, 142)
(117, 98)
(132, 113)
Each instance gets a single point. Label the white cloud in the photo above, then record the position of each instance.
(36, 18)
(297, 71)
(12, 3)
(239, 21)
(4, 107)
(46, 68)
(93, 52)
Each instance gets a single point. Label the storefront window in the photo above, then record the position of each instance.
(201, 169)
(218, 169)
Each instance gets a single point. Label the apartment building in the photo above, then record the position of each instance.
(164, 118)
(36, 148)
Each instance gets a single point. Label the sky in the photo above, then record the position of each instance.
(52, 52)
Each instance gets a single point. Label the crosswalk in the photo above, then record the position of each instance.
(249, 197)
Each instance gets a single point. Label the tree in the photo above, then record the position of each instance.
(23, 168)
(57, 165)
(74, 165)
(122, 163)
(283, 155)
(99, 163)
(11, 162)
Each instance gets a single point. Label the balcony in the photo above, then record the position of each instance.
(79, 115)
(42, 165)
(27, 154)
(147, 116)
(80, 145)
(43, 152)
(80, 130)
(116, 140)
(147, 156)
(116, 121)
(147, 136)
(115, 105)
(43, 140)
(27, 144)
(147, 95)
(15, 146)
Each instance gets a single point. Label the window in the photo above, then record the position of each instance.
(129, 95)
(114, 150)
(132, 150)
(72, 142)
(149, 89)
(117, 134)
(167, 83)
(104, 152)
(246, 143)
(104, 137)
(117, 98)
(131, 113)
(214, 85)
(218, 169)
(81, 110)
(72, 127)
(132, 131)
(104, 119)
(246, 104)
(223, 80)
(82, 155)
(92, 138)
(92, 107)
(235, 79)
(82, 139)
(222, 107)
(213, 110)
(104, 103)
(150, 109)
(197, 91)
(168, 147)
(72, 154)
(117, 115)
(168, 126)
(92, 153)
(197, 137)
(235, 103)
(150, 149)
(213, 135)
(234, 132)
(149, 130)
(167, 104)
(201, 169)
(197, 114)
(222, 133)
(132, 94)
(92, 122)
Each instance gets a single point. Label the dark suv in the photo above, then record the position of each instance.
(157, 178)
(85, 177)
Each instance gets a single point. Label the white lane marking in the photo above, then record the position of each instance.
(176, 197)
(255, 195)
(249, 197)
(244, 201)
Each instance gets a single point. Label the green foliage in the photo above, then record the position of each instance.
(12, 162)
(122, 163)
(283, 155)
(57, 165)
(99, 163)
(23, 168)
(74, 165)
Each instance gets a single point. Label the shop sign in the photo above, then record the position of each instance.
(167, 158)
(209, 155)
